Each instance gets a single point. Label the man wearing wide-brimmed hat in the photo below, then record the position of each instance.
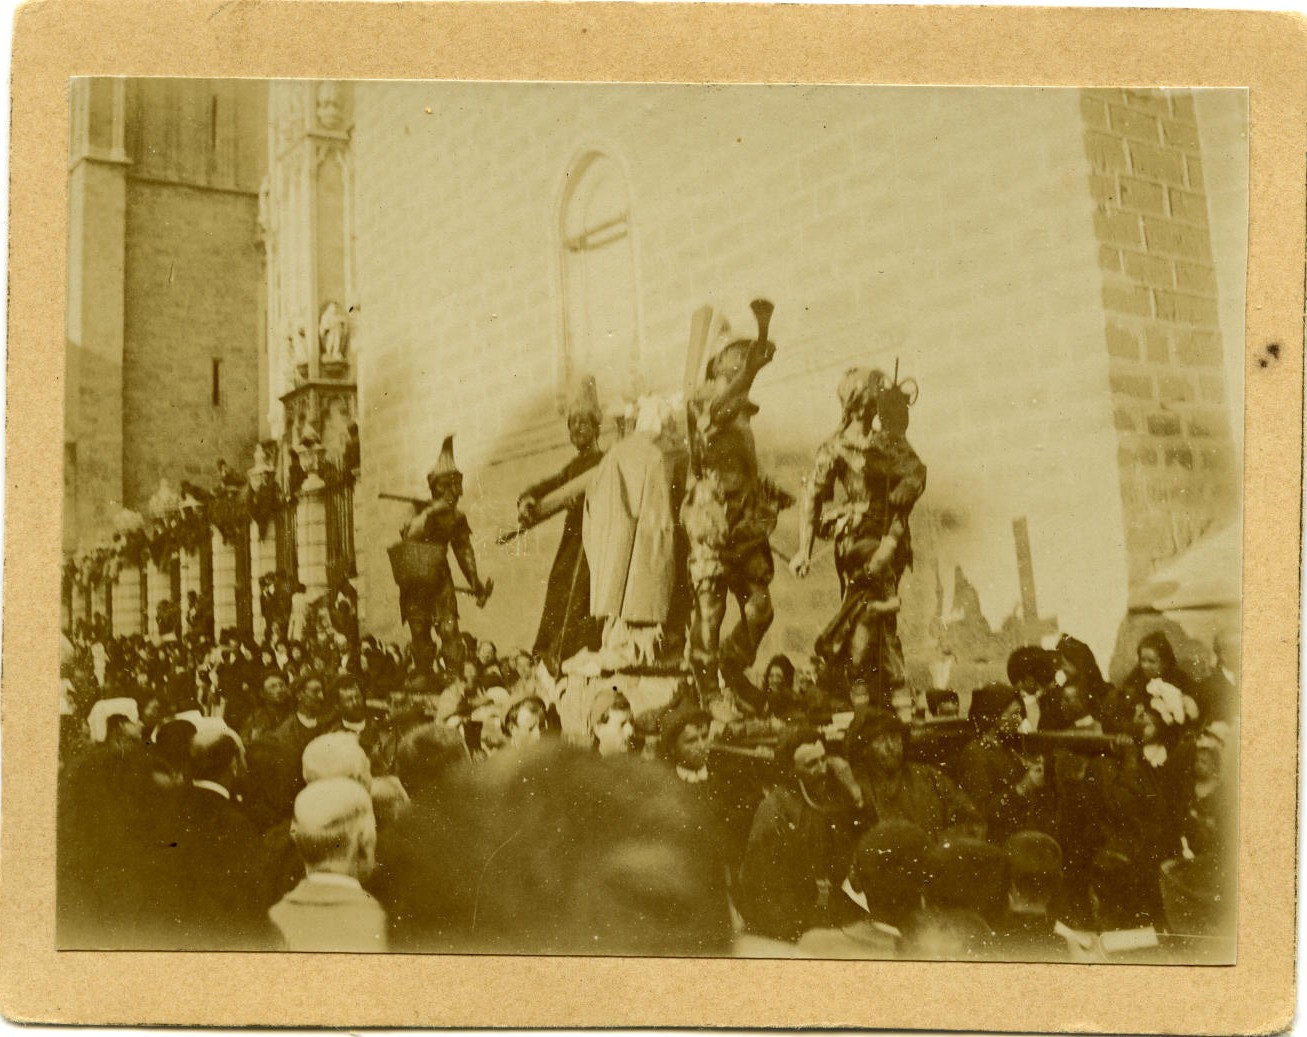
(432, 601)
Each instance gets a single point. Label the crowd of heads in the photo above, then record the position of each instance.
(368, 807)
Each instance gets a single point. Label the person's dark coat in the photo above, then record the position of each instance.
(990, 772)
(276, 770)
(566, 625)
(211, 893)
(793, 846)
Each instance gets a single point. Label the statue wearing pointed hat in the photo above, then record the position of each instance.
(566, 626)
(427, 592)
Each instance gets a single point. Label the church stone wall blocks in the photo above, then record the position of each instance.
(1162, 319)
(921, 251)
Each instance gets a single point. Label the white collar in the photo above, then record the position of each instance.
(331, 878)
(212, 786)
(355, 726)
(858, 898)
(306, 722)
(692, 777)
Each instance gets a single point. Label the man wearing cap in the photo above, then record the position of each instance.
(336, 754)
(882, 478)
(421, 605)
(894, 787)
(336, 835)
(566, 625)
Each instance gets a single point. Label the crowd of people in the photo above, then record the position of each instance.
(318, 790)
(319, 793)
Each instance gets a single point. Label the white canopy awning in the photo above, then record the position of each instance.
(1208, 575)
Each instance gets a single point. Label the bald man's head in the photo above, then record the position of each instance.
(336, 755)
(334, 828)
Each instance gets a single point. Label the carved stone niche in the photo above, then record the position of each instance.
(333, 340)
(321, 411)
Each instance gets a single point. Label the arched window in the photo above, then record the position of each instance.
(600, 331)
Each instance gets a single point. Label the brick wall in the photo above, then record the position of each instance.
(193, 294)
(164, 277)
(952, 230)
(1162, 317)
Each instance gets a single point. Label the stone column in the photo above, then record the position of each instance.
(263, 560)
(157, 587)
(127, 602)
(311, 537)
(224, 583)
(190, 582)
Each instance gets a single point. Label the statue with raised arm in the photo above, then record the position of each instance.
(566, 625)
(729, 514)
(881, 478)
(430, 600)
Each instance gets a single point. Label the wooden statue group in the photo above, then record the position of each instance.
(675, 519)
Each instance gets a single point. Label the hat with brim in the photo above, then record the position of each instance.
(1036, 854)
(988, 704)
(104, 709)
(868, 724)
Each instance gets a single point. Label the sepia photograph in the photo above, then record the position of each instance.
(761, 521)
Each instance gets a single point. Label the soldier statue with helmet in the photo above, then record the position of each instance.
(881, 478)
(729, 514)
(426, 584)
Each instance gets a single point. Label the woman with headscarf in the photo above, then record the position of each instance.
(1155, 662)
(1011, 792)
(1141, 791)
(1080, 668)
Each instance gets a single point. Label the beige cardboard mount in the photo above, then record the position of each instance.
(656, 43)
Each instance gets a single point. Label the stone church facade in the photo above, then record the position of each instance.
(1059, 271)
(1041, 262)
